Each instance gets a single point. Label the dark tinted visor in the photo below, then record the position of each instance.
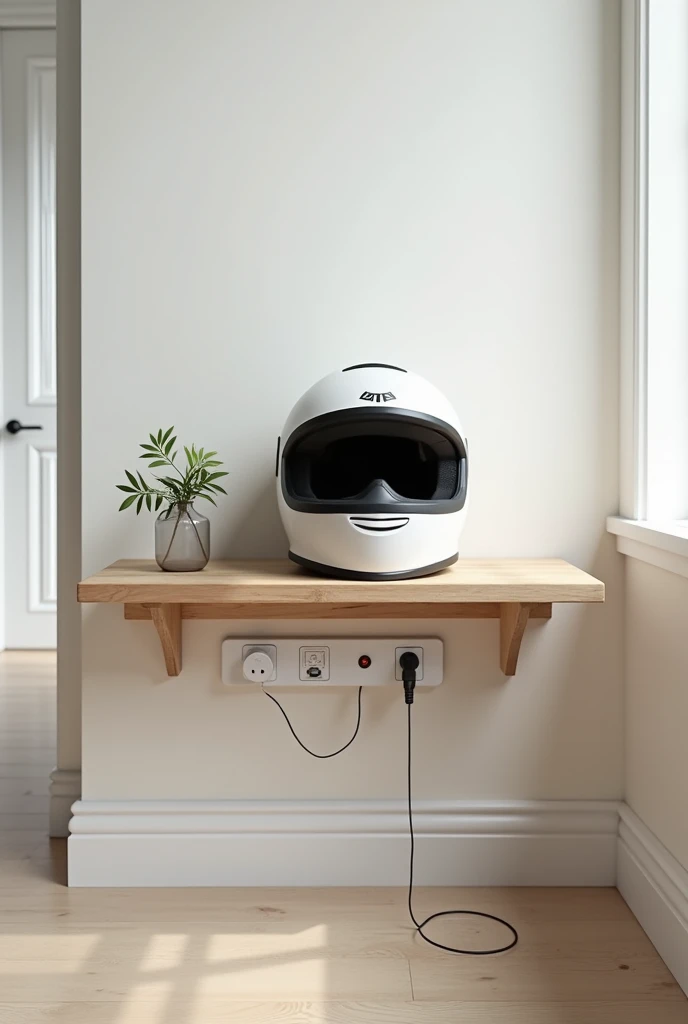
(354, 459)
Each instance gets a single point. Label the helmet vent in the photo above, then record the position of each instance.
(384, 366)
(378, 525)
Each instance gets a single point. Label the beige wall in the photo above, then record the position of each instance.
(657, 702)
(272, 191)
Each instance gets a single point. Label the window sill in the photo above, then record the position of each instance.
(664, 543)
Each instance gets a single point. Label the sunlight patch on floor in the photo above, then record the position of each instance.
(228, 946)
(149, 1001)
(169, 949)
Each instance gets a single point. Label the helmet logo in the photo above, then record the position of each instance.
(376, 396)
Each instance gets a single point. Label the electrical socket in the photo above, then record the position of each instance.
(259, 663)
(314, 664)
(415, 650)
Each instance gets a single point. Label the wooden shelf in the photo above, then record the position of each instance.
(512, 590)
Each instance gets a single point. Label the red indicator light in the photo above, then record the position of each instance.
(364, 661)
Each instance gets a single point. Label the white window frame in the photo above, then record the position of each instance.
(653, 520)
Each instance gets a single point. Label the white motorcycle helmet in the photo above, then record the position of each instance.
(372, 476)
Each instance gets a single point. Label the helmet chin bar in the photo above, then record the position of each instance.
(373, 491)
(343, 573)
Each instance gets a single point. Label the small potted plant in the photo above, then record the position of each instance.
(182, 535)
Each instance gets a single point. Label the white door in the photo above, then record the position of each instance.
(28, 456)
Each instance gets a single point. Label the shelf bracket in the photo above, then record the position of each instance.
(168, 622)
(513, 621)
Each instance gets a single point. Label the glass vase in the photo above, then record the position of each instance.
(182, 539)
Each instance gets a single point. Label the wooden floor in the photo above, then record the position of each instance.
(213, 956)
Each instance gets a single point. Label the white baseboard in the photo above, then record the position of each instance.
(655, 886)
(65, 788)
(359, 842)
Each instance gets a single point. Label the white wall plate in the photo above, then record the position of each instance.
(337, 658)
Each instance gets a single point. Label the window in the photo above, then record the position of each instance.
(654, 280)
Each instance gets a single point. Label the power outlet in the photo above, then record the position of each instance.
(415, 650)
(259, 672)
(314, 664)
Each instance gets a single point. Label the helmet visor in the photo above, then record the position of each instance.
(357, 460)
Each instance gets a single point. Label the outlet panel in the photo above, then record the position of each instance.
(338, 659)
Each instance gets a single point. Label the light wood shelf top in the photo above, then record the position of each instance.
(255, 582)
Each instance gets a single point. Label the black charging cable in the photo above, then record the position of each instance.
(303, 745)
(409, 665)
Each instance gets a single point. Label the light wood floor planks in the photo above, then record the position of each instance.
(314, 956)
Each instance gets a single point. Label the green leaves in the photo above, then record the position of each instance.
(195, 481)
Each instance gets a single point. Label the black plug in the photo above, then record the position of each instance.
(409, 663)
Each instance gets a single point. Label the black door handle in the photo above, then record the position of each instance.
(14, 426)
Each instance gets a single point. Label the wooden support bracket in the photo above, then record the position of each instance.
(513, 621)
(168, 622)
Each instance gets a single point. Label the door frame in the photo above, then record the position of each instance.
(13, 15)
(28, 13)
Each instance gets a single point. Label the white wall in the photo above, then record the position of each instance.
(272, 191)
(657, 702)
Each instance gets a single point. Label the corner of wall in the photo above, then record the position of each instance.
(655, 887)
(68, 412)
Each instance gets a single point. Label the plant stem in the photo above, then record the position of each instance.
(205, 554)
(171, 539)
(169, 462)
